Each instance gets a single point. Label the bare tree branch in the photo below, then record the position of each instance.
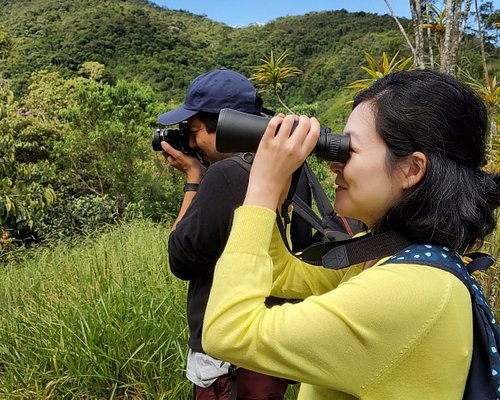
(481, 42)
(401, 28)
(429, 39)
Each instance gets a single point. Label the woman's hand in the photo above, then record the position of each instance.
(182, 162)
(280, 153)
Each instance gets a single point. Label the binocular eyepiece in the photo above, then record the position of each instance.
(239, 132)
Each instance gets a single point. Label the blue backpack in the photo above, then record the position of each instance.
(483, 381)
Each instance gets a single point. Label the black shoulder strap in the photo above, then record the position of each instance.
(243, 159)
(302, 209)
(338, 255)
(322, 201)
(329, 225)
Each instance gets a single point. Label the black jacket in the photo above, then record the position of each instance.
(200, 236)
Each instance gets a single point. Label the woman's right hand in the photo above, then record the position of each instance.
(280, 153)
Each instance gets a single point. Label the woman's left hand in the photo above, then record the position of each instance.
(280, 153)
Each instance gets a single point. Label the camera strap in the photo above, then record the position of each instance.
(341, 254)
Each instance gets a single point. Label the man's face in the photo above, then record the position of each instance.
(203, 141)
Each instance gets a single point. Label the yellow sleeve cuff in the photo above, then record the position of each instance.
(252, 230)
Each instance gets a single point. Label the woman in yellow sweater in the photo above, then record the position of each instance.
(370, 331)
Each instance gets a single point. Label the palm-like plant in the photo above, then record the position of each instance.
(436, 23)
(377, 69)
(490, 92)
(271, 74)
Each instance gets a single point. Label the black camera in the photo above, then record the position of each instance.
(177, 138)
(237, 132)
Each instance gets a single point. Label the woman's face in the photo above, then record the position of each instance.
(365, 186)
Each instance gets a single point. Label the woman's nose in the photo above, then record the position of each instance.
(336, 167)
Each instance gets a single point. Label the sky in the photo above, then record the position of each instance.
(245, 12)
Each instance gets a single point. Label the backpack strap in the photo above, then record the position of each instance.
(338, 255)
(483, 381)
(322, 202)
(234, 381)
(243, 159)
(306, 213)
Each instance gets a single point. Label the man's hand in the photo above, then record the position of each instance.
(182, 162)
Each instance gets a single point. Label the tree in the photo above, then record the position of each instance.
(24, 190)
(5, 44)
(6, 97)
(92, 70)
(446, 27)
(272, 73)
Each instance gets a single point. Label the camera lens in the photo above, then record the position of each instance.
(237, 131)
(157, 139)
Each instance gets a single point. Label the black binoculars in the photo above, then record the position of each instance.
(240, 132)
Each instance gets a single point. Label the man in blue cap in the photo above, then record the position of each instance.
(201, 229)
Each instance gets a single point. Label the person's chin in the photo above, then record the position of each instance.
(340, 198)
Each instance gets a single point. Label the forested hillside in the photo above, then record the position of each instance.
(166, 49)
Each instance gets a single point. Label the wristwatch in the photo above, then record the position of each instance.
(191, 187)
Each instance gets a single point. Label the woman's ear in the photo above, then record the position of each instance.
(413, 169)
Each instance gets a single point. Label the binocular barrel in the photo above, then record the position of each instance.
(238, 132)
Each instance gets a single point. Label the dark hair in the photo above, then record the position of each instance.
(439, 116)
(209, 119)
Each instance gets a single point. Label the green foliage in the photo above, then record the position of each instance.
(77, 215)
(270, 75)
(131, 38)
(334, 112)
(25, 193)
(378, 69)
(92, 69)
(166, 49)
(6, 44)
(6, 97)
(100, 320)
(490, 93)
(88, 144)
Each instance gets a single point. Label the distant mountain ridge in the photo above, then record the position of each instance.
(165, 49)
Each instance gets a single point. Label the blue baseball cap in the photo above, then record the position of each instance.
(213, 91)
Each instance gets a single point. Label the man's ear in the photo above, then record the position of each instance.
(413, 169)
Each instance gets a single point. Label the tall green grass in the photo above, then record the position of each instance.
(105, 319)
(100, 319)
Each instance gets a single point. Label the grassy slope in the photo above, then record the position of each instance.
(104, 319)
(94, 320)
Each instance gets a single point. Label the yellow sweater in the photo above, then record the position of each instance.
(388, 332)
